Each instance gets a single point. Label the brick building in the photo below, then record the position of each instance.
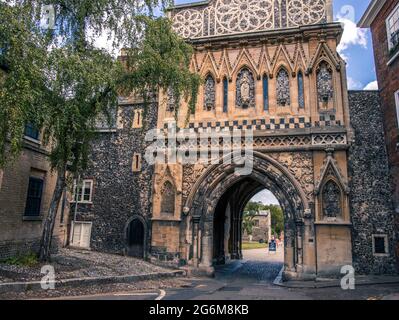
(382, 16)
(26, 188)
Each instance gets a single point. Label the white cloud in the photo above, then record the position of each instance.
(266, 197)
(354, 84)
(371, 86)
(352, 36)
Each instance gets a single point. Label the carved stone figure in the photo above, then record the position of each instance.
(245, 89)
(245, 94)
(331, 200)
(325, 89)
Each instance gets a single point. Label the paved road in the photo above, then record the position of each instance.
(251, 279)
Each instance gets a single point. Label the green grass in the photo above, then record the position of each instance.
(253, 245)
(26, 260)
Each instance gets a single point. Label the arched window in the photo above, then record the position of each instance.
(209, 93)
(283, 88)
(301, 91)
(168, 199)
(265, 83)
(325, 90)
(331, 196)
(225, 94)
(245, 89)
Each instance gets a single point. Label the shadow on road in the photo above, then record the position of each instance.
(257, 265)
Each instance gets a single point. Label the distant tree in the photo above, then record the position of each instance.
(277, 216)
(248, 222)
(253, 207)
(277, 219)
(250, 210)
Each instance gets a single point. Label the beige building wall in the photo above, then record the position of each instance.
(20, 234)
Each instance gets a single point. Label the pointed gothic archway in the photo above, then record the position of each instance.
(220, 183)
(135, 237)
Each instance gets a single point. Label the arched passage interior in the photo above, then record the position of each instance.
(229, 218)
(216, 238)
(135, 238)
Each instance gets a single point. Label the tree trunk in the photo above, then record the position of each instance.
(48, 229)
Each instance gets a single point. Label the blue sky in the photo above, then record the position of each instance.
(359, 52)
(356, 45)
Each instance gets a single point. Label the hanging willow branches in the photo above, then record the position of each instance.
(57, 80)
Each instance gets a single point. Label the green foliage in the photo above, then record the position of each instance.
(277, 215)
(248, 221)
(84, 21)
(64, 87)
(82, 85)
(25, 260)
(161, 60)
(277, 219)
(58, 81)
(22, 58)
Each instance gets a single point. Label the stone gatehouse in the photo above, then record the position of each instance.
(272, 68)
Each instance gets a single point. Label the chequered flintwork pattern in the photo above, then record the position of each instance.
(272, 123)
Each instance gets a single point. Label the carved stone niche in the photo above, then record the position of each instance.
(168, 195)
(245, 89)
(325, 88)
(332, 194)
(283, 88)
(209, 93)
(331, 200)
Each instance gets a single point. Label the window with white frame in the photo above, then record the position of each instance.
(83, 191)
(393, 28)
(397, 106)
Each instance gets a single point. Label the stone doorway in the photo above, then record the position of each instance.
(216, 240)
(135, 238)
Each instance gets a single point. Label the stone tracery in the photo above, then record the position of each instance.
(221, 17)
(331, 196)
(209, 93)
(243, 15)
(305, 12)
(283, 88)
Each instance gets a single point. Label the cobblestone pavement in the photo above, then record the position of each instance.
(257, 265)
(252, 279)
(71, 263)
(249, 279)
(109, 290)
